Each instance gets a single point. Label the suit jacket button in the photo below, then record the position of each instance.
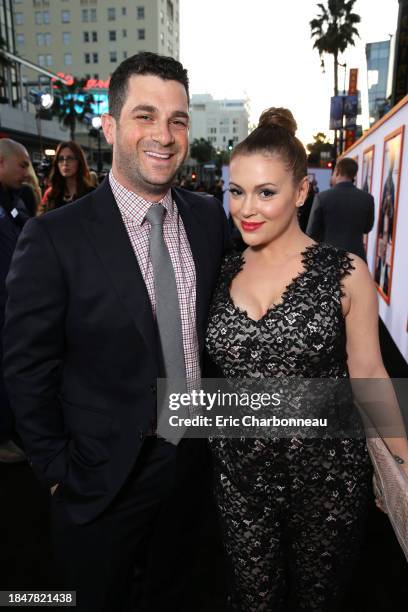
(141, 434)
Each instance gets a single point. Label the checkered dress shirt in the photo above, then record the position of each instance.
(133, 209)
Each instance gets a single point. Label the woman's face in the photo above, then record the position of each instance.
(264, 198)
(67, 163)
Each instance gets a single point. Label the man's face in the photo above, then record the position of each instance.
(14, 169)
(150, 139)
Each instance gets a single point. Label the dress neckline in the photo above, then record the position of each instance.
(289, 288)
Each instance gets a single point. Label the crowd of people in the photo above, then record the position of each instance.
(117, 288)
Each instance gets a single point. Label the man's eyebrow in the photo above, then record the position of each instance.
(180, 113)
(147, 108)
(144, 107)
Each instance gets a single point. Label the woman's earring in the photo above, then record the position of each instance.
(300, 204)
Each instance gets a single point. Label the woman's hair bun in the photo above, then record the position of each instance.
(281, 117)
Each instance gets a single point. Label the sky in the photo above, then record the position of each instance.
(262, 50)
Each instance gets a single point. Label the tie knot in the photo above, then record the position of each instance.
(155, 214)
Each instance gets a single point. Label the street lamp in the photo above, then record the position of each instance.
(97, 125)
(42, 100)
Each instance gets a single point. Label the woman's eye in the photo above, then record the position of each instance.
(267, 193)
(234, 191)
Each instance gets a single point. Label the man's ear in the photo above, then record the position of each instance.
(109, 128)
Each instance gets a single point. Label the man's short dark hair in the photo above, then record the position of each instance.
(145, 63)
(347, 167)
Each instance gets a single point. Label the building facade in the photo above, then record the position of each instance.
(89, 38)
(378, 66)
(222, 122)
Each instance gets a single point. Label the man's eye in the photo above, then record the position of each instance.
(144, 117)
(180, 122)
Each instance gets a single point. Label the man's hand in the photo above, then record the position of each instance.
(54, 488)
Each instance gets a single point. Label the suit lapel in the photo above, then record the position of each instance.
(108, 234)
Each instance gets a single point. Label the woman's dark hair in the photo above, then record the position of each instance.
(144, 63)
(57, 181)
(275, 135)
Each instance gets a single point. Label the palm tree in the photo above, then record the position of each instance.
(334, 30)
(72, 103)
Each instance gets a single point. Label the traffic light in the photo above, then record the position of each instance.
(230, 144)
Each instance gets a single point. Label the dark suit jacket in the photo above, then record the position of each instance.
(341, 216)
(80, 341)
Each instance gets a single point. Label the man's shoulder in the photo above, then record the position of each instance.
(203, 201)
(70, 213)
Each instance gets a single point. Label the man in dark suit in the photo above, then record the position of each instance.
(85, 345)
(14, 163)
(342, 215)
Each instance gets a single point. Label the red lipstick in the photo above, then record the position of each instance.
(248, 226)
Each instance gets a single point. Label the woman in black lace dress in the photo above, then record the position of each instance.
(292, 510)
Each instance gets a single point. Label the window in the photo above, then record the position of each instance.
(20, 40)
(92, 15)
(18, 18)
(141, 34)
(86, 36)
(84, 15)
(40, 39)
(111, 14)
(87, 57)
(46, 17)
(41, 60)
(68, 59)
(18, 1)
(48, 60)
(38, 17)
(124, 33)
(47, 39)
(112, 35)
(66, 16)
(96, 75)
(161, 17)
(140, 12)
(95, 58)
(125, 54)
(94, 36)
(113, 56)
(66, 38)
(124, 11)
(162, 38)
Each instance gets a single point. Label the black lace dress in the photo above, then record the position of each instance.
(292, 510)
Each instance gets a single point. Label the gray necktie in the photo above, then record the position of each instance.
(168, 319)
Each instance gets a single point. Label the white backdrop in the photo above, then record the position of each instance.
(394, 314)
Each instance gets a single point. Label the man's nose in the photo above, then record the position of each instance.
(162, 133)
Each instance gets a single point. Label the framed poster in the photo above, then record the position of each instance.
(388, 213)
(367, 177)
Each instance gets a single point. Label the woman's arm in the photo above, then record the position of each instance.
(376, 396)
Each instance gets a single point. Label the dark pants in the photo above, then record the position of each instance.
(135, 556)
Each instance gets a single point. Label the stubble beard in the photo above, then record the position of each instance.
(129, 167)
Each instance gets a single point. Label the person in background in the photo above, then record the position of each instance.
(31, 192)
(14, 168)
(94, 178)
(342, 215)
(69, 178)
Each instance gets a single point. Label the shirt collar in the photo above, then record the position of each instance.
(133, 206)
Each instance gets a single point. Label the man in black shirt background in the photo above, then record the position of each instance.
(14, 162)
